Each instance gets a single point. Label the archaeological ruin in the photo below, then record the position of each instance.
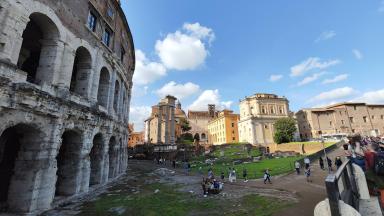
(66, 72)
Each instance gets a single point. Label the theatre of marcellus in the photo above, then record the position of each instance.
(66, 70)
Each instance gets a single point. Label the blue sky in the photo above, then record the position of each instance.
(218, 51)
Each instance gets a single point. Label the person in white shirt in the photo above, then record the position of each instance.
(297, 167)
(306, 162)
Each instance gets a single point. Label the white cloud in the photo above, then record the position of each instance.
(209, 97)
(146, 71)
(310, 64)
(138, 114)
(199, 31)
(139, 91)
(326, 35)
(358, 55)
(180, 91)
(186, 49)
(335, 94)
(275, 77)
(310, 79)
(372, 97)
(336, 79)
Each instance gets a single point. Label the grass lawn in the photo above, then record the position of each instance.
(276, 166)
(169, 202)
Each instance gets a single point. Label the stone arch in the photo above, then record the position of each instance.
(68, 163)
(19, 166)
(96, 158)
(39, 49)
(113, 157)
(102, 92)
(203, 136)
(81, 72)
(116, 96)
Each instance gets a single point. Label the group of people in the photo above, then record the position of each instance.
(338, 163)
(210, 185)
(307, 171)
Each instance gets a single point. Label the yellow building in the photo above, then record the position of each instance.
(223, 128)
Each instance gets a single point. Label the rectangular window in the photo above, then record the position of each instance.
(233, 124)
(351, 119)
(110, 12)
(107, 37)
(365, 119)
(330, 123)
(373, 117)
(92, 21)
(342, 121)
(382, 116)
(354, 107)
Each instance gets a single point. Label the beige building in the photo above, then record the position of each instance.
(223, 129)
(258, 113)
(340, 120)
(163, 127)
(198, 120)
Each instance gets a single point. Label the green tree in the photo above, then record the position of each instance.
(184, 123)
(284, 130)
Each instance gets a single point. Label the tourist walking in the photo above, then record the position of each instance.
(321, 162)
(204, 186)
(308, 174)
(174, 164)
(329, 161)
(338, 162)
(234, 177)
(306, 162)
(297, 167)
(210, 174)
(267, 176)
(245, 175)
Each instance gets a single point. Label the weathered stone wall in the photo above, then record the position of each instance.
(63, 126)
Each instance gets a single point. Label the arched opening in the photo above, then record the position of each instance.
(203, 136)
(15, 165)
(116, 97)
(68, 163)
(82, 68)
(113, 157)
(38, 50)
(102, 93)
(96, 157)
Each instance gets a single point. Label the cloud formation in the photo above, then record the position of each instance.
(275, 77)
(336, 79)
(326, 35)
(358, 55)
(147, 71)
(310, 64)
(371, 97)
(138, 114)
(310, 79)
(180, 91)
(335, 94)
(209, 97)
(185, 49)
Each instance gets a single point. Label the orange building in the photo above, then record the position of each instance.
(223, 128)
(135, 138)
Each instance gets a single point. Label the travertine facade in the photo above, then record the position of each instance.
(340, 120)
(258, 113)
(162, 126)
(65, 85)
(223, 129)
(198, 120)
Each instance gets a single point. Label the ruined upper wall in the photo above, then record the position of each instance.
(74, 15)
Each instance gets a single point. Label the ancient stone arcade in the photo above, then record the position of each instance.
(65, 87)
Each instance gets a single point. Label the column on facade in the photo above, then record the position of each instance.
(159, 121)
(167, 124)
(111, 96)
(253, 126)
(172, 125)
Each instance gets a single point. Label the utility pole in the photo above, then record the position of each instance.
(322, 141)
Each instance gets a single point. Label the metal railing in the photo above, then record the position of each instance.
(342, 186)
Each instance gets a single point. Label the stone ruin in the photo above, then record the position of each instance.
(66, 72)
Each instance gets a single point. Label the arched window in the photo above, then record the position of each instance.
(82, 68)
(102, 92)
(37, 53)
(203, 136)
(116, 97)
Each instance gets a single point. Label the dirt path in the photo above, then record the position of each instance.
(291, 187)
